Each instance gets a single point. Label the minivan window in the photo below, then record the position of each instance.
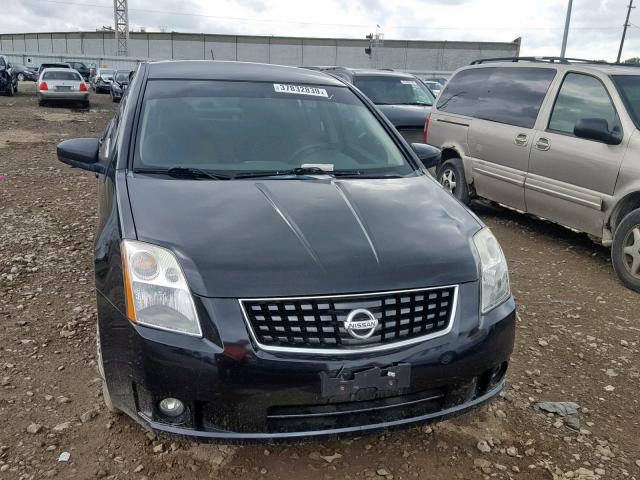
(581, 96)
(629, 88)
(505, 95)
(393, 90)
(61, 76)
(233, 127)
(121, 77)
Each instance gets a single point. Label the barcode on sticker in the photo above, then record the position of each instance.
(300, 90)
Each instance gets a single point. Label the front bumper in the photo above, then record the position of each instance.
(235, 392)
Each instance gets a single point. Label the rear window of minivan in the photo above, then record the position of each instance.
(504, 95)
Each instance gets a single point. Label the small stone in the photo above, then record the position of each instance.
(542, 342)
(63, 399)
(383, 472)
(481, 463)
(34, 428)
(573, 423)
(483, 446)
(88, 415)
(159, 448)
(609, 388)
(530, 452)
(610, 372)
(138, 469)
(512, 451)
(637, 463)
(331, 458)
(61, 427)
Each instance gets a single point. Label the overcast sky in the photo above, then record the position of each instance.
(596, 25)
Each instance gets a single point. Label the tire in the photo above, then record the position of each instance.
(86, 105)
(106, 397)
(10, 90)
(625, 251)
(451, 176)
(20, 77)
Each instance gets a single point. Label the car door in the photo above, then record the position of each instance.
(570, 178)
(500, 134)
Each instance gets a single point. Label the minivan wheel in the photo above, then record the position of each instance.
(625, 251)
(451, 177)
(106, 397)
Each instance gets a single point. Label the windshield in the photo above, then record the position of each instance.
(392, 90)
(122, 77)
(106, 73)
(629, 88)
(61, 76)
(232, 128)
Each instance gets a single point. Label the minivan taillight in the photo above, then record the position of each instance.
(44, 86)
(425, 135)
(83, 87)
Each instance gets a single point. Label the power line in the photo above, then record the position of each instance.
(295, 22)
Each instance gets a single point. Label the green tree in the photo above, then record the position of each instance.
(634, 60)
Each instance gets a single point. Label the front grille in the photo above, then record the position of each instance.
(412, 135)
(317, 324)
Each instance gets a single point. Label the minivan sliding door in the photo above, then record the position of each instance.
(501, 132)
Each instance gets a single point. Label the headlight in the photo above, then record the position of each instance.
(493, 268)
(156, 289)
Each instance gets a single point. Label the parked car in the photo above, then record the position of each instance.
(8, 79)
(81, 68)
(23, 73)
(119, 84)
(551, 137)
(275, 263)
(402, 97)
(61, 85)
(101, 81)
(434, 86)
(52, 65)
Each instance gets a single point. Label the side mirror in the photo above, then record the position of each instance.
(596, 129)
(428, 155)
(81, 153)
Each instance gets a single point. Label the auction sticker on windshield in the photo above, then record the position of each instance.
(300, 90)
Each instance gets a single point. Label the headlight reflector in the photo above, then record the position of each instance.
(495, 287)
(156, 289)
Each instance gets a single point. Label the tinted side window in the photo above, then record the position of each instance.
(581, 96)
(505, 95)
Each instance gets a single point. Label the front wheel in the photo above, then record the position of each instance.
(451, 177)
(20, 77)
(625, 251)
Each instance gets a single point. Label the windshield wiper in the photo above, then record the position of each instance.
(185, 172)
(422, 104)
(298, 171)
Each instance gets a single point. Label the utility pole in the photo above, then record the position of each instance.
(624, 31)
(121, 20)
(566, 30)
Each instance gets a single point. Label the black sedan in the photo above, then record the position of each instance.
(273, 261)
(119, 84)
(24, 73)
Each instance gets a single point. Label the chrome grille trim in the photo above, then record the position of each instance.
(351, 351)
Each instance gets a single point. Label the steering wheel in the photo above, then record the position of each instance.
(309, 149)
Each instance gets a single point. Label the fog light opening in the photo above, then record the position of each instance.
(171, 407)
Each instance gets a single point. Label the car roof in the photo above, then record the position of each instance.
(242, 71)
(604, 68)
(374, 72)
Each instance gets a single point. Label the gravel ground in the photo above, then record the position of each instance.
(578, 341)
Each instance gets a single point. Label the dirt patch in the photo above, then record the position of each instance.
(20, 136)
(75, 116)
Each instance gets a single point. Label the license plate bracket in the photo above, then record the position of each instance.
(382, 379)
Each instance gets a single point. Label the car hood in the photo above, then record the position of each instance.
(408, 116)
(265, 238)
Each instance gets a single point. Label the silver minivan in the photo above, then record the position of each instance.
(555, 138)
